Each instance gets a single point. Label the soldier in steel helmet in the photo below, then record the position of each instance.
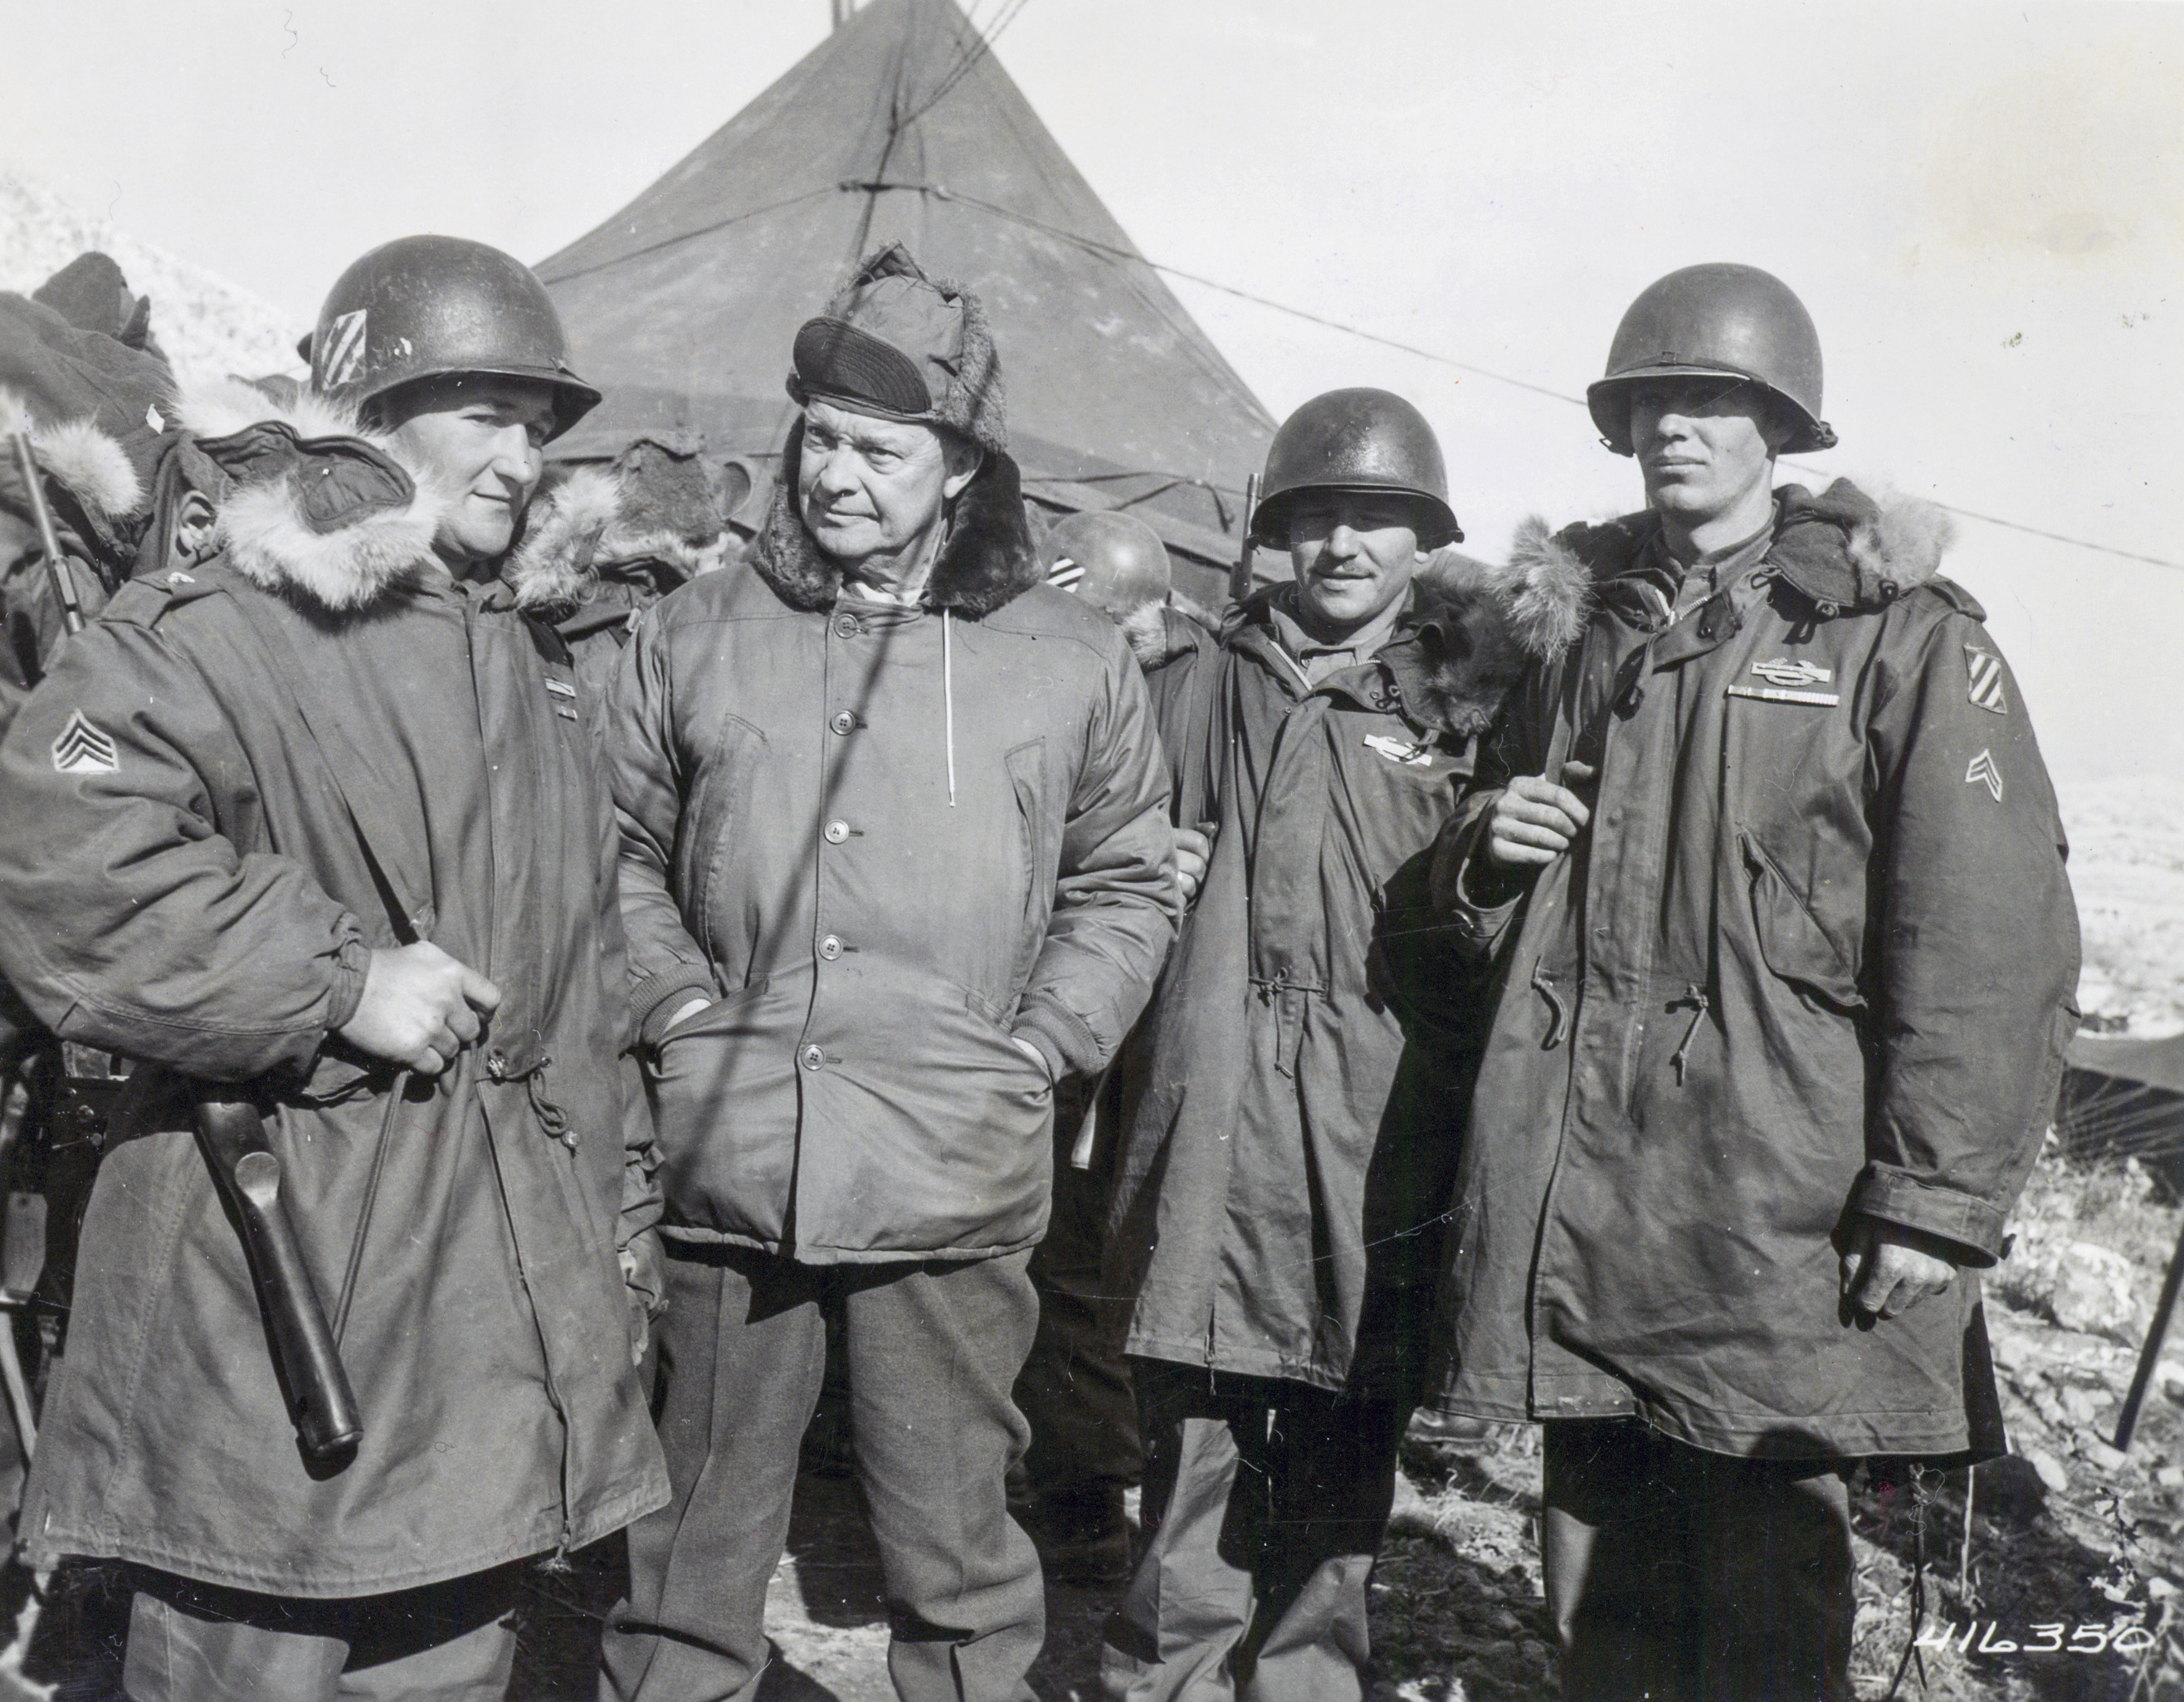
(1289, 1146)
(1767, 846)
(316, 808)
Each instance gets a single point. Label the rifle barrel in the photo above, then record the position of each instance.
(49, 539)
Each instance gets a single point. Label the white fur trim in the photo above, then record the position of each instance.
(94, 465)
(1548, 589)
(263, 529)
(1905, 544)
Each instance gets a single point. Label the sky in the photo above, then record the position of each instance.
(1982, 205)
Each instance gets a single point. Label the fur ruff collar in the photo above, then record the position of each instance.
(1841, 550)
(986, 562)
(81, 455)
(1159, 632)
(314, 507)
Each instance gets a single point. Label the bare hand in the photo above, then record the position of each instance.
(1194, 849)
(419, 1007)
(1888, 1269)
(1534, 820)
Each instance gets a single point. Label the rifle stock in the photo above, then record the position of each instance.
(247, 1174)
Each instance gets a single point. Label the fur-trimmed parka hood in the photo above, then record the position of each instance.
(312, 505)
(1840, 548)
(986, 562)
(1161, 633)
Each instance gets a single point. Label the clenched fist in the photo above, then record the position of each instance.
(419, 1007)
(1889, 1270)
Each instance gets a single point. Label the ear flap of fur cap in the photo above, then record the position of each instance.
(552, 567)
(669, 509)
(317, 508)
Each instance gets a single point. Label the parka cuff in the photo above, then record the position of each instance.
(657, 998)
(1897, 1197)
(1065, 1043)
(1473, 897)
(352, 964)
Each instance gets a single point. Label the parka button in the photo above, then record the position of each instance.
(845, 626)
(812, 1058)
(830, 948)
(836, 831)
(1828, 611)
(844, 722)
(496, 1063)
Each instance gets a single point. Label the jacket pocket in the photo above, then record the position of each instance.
(1026, 767)
(723, 781)
(1792, 942)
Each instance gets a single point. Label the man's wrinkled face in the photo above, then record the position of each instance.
(868, 487)
(1354, 552)
(1702, 444)
(483, 439)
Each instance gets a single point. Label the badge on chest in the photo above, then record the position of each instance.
(1790, 681)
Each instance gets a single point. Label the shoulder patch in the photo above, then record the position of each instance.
(82, 749)
(1983, 679)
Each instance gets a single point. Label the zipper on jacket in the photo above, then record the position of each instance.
(1695, 996)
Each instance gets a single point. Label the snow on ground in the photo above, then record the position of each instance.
(2127, 869)
(209, 327)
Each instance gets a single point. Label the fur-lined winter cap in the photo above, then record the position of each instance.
(895, 344)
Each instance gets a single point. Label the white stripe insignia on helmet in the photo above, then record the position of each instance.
(343, 361)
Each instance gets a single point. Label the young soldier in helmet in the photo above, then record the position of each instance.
(1769, 848)
(1290, 1145)
(316, 809)
(896, 858)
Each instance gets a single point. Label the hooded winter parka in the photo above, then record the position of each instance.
(882, 840)
(1293, 1139)
(1811, 962)
(183, 879)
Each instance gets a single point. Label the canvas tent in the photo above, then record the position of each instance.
(900, 125)
(2125, 1095)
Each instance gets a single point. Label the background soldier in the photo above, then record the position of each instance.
(896, 859)
(1292, 1142)
(313, 805)
(1769, 851)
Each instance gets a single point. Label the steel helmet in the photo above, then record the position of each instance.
(1713, 321)
(420, 306)
(1364, 440)
(1115, 562)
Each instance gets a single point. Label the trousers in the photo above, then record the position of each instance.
(190, 1642)
(1265, 1502)
(933, 1349)
(1074, 1389)
(1691, 1577)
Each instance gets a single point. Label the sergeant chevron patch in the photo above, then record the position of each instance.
(82, 749)
(1985, 687)
(1983, 772)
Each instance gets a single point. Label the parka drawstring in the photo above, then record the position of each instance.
(1544, 983)
(1694, 995)
(948, 694)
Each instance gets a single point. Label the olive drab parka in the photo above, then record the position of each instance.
(883, 842)
(1811, 962)
(253, 771)
(1298, 1102)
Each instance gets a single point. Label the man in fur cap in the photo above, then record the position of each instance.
(1290, 1133)
(1766, 848)
(315, 809)
(896, 859)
